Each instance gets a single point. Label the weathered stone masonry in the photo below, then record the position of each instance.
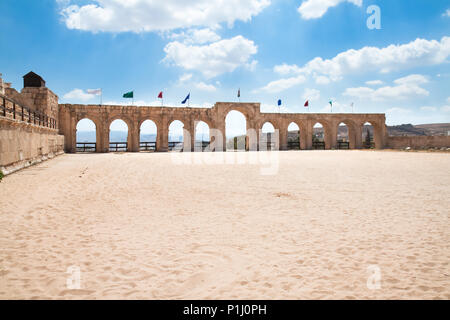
(103, 116)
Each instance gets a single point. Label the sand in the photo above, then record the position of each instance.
(139, 226)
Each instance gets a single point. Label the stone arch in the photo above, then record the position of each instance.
(351, 132)
(325, 137)
(128, 139)
(147, 144)
(248, 113)
(303, 126)
(237, 143)
(173, 142)
(293, 136)
(267, 136)
(202, 135)
(377, 133)
(88, 146)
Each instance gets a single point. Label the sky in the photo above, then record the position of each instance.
(381, 56)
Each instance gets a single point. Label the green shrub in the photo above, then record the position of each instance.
(1, 175)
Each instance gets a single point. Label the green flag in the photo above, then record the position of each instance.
(128, 95)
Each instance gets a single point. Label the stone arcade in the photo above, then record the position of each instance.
(103, 116)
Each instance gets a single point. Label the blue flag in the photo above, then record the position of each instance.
(187, 98)
(279, 102)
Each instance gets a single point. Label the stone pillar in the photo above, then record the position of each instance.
(73, 134)
(333, 135)
(190, 128)
(309, 135)
(133, 139)
(358, 136)
(283, 135)
(351, 136)
(99, 137)
(378, 135)
(163, 136)
(303, 139)
(105, 139)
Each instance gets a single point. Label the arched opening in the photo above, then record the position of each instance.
(343, 141)
(202, 138)
(148, 134)
(86, 140)
(176, 135)
(118, 136)
(236, 131)
(266, 140)
(293, 136)
(318, 137)
(368, 140)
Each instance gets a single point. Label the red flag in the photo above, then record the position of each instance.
(160, 96)
(307, 103)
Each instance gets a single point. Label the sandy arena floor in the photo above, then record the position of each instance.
(326, 225)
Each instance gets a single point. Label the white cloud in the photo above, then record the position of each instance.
(282, 84)
(445, 109)
(393, 111)
(78, 95)
(196, 36)
(405, 88)
(213, 59)
(185, 77)
(427, 108)
(374, 83)
(337, 107)
(448, 99)
(311, 94)
(205, 87)
(413, 79)
(313, 9)
(417, 53)
(322, 80)
(153, 15)
(272, 108)
(446, 13)
(286, 69)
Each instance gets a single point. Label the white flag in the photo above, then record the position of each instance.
(96, 92)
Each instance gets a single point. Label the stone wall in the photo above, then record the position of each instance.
(418, 142)
(103, 116)
(23, 144)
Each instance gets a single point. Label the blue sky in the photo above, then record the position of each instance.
(294, 50)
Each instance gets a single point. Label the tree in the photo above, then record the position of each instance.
(368, 140)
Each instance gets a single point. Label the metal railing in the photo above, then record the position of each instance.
(204, 145)
(270, 145)
(175, 145)
(118, 146)
(318, 145)
(343, 145)
(13, 110)
(147, 146)
(294, 145)
(86, 147)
